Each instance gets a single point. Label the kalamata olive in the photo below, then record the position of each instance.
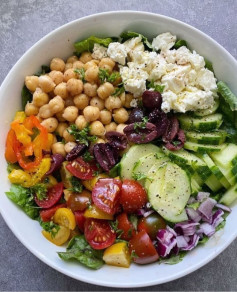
(151, 99)
(172, 130)
(178, 143)
(136, 115)
(117, 140)
(75, 152)
(161, 121)
(140, 133)
(57, 160)
(105, 155)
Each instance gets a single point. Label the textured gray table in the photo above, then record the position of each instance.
(22, 23)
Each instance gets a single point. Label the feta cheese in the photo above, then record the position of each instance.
(117, 52)
(99, 52)
(145, 60)
(206, 80)
(196, 61)
(164, 41)
(182, 55)
(134, 43)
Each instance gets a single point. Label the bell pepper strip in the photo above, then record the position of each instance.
(20, 117)
(19, 176)
(10, 154)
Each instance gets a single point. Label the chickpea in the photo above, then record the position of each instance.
(60, 128)
(97, 128)
(111, 127)
(100, 141)
(69, 101)
(61, 90)
(58, 148)
(56, 104)
(105, 117)
(39, 97)
(128, 98)
(120, 128)
(57, 64)
(69, 74)
(57, 76)
(50, 124)
(70, 113)
(107, 64)
(81, 101)
(46, 83)
(31, 109)
(81, 122)
(91, 74)
(85, 57)
(45, 112)
(91, 113)
(98, 102)
(113, 102)
(72, 59)
(59, 116)
(74, 86)
(77, 65)
(31, 82)
(67, 66)
(67, 137)
(120, 115)
(92, 63)
(90, 89)
(69, 146)
(105, 90)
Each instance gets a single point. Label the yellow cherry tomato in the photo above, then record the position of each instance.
(117, 255)
(50, 181)
(65, 217)
(19, 176)
(94, 212)
(60, 237)
(90, 183)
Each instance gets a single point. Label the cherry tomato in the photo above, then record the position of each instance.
(142, 248)
(82, 169)
(99, 233)
(80, 220)
(54, 194)
(106, 193)
(47, 214)
(133, 196)
(126, 226)
(79, 202)
(151, 224)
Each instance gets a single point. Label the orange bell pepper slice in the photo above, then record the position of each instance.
(10, 155)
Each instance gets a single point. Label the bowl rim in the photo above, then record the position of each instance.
(89, 279)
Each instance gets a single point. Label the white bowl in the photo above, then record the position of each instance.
(59, 43)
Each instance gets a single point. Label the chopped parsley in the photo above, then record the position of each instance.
(141, 125)
(81, 136)
(40, 191)
(81, 73)
(118, 91)
(156, 87)
(114, 225)
(104, 76)
(50, 227)
(87, 156)
(76, 185)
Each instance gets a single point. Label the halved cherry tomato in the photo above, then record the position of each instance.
(80, 220)
(54, 194)
(126, 226)
(151, 224)
(133, 196)
(65, 217)
(82, 169)
(106, 193)
(46, 215)
(61, 236)
(99, 233)
(79, 202)
(142, 248)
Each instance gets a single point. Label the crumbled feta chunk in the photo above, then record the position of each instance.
(164, 41)
(99, 52)
(196, 61)
(206, 79)
(117, 52)
(132, 43)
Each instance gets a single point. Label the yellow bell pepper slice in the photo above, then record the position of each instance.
(90, 183)
(65, 217)
(20, 117)
(94, 212)
(61, 236)
(117, 255)
(19, 176)
(43, 168)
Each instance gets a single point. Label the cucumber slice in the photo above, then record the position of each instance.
(196, 183)
(213, 183)
(227, 94)
(213, 138)
(133, 155)
(203, 148)
(143, 165)
(169, 192)
(208, 111)
(202, 124)
(227, 157)
(230, 196)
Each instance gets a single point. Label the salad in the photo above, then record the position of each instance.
(126, 151)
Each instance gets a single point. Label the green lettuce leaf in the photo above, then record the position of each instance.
(126, 35)
(174, 259)
(26, 96)
(179, 44)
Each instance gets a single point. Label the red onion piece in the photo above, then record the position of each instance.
(56, 162)
(223, 207)
(205, 209)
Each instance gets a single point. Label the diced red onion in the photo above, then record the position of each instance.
(140, 212)
(206, 208)
(186, 228)
(164, 236)
(217, 218)
(202, 196)
(207, 229)
(148, 213)
(181, 241)
(192, 243)
(165, 249)
(223, 207)
(191, 200)
(171, 230)
(193, 214)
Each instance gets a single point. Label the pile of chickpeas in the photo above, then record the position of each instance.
(60, 98)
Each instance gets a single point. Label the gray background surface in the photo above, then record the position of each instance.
(22, 23)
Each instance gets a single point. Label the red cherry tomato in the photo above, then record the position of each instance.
(79, 202)
(133, 196)
(106, 193)
(99, 233)
(142, 249)
(54, 194)
(128, 230)
(80, 220)
(46, 215)
(82, 169)
(151, 224)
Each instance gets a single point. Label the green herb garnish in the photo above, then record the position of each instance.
(81, 73)
(50, 227)
(76, 185)
(81, 136)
